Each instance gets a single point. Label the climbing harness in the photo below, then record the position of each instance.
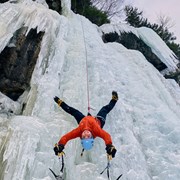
(61, 161)
(108, 166)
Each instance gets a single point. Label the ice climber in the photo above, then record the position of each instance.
(89, 127)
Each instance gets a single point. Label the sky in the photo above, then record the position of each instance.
(153, 8)
(144, 124)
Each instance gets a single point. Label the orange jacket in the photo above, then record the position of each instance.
(87, 123)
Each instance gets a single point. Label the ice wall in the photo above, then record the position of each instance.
(144, 124)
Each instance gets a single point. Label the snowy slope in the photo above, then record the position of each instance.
(151, 39)
(144, 124)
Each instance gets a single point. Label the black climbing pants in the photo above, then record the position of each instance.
(101, 115)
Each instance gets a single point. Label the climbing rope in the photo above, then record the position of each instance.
(87, 76)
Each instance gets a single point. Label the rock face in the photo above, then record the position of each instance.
(17, 62)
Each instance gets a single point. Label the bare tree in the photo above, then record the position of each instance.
(111, 7)
(165, 21)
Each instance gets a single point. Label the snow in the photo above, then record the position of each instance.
(150, 38)
(158, 47)
(144, 124)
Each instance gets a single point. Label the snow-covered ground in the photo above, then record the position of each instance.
(144, 124)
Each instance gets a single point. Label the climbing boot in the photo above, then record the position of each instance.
(57, 100)
(114, 95)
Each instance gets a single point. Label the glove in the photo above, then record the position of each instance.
(57, 100)
(58, 149)
(111, 150)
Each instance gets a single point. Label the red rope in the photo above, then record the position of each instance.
(87, 77)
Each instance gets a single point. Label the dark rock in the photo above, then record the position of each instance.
(174, 75)
(3, 1)
(17, 62)
(55, 5)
